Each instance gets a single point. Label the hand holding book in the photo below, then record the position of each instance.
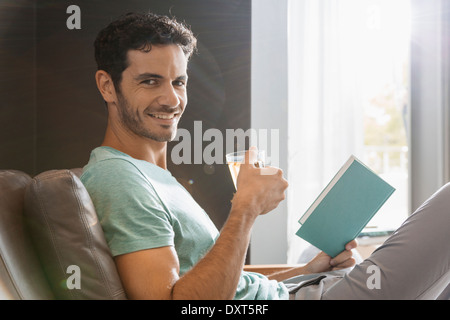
(344, 207)
(323, 262)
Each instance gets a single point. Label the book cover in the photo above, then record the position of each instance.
(344, 207)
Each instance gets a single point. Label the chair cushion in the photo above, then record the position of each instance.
(21, 275)
(69, 239)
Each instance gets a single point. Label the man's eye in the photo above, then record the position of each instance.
(149, 82)
(179, 83)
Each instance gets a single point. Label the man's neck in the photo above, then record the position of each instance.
(138, 147)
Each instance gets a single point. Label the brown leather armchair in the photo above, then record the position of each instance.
(49, 233)
(21, 274)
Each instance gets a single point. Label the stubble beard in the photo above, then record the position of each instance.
(134, 123)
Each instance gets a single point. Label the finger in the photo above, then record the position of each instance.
(346, 264)
(251, 156)
(341, 257)
(351, 245)
(270, 171)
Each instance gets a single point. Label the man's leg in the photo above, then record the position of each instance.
(414, 263)
(445, 295)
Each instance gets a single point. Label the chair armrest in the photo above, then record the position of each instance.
(267, 269)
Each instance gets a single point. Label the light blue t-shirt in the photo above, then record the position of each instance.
(142, 206)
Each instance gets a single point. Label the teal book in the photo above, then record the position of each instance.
(344, 207)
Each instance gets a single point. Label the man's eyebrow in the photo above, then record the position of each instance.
(182, 78)
(148, 75)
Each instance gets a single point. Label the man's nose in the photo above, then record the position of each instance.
(169, 96)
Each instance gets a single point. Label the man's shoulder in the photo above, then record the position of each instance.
(105, 164)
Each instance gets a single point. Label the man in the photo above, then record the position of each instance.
(165, 246)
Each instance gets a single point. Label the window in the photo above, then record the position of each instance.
(386, 99)
(348, 94)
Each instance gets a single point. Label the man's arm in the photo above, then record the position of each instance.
(154, 273)
(321, 263)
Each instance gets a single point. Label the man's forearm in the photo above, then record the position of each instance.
(216, 276)
(288, 273)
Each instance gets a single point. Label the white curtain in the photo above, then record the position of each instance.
(342, 54)
(325, 101)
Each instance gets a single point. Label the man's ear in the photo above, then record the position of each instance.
(106, 86)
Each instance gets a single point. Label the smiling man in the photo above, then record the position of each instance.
(148, 102)
(164, 245)
(137, 80)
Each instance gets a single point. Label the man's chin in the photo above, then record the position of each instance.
(163, 137)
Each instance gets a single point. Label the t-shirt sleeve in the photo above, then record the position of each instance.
(132, 216)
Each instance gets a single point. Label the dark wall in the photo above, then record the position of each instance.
(17, 86)
(52, 115)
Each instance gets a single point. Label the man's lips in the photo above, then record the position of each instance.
(163, 116)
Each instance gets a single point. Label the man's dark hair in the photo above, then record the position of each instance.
(135, 31)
